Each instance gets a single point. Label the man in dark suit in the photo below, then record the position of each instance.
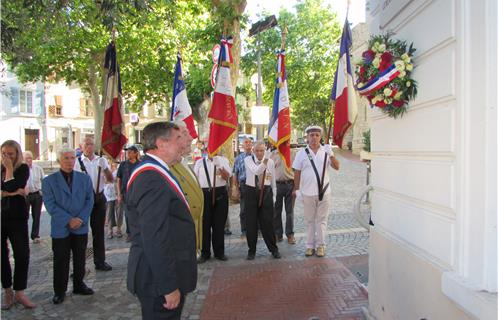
(162, 266)
(68, 197)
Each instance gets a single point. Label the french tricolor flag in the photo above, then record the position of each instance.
(280, 125)
(180, 109)
(343, 93)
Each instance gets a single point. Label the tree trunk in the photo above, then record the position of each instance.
(95, 93)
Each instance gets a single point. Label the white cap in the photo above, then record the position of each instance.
(313, 128)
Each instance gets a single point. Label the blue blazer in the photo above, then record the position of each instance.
(63, 204)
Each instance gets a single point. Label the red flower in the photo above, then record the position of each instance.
(380, 104)
(394, 92)
(398, 103)
(362, 70)
(383, 66)
(387, 57)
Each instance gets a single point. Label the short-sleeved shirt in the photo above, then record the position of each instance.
(200, 172)
(309, 185)
(239, 167)
(92, 169)
(254, 168)
(125, 170)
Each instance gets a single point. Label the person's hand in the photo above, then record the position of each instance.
(7, 163)
(335, 163)
(172, 300)
(267, 154)
(120, 198)
(21, 192)
(102, 162)
(217, 161)
(328, 150)
(75, 223)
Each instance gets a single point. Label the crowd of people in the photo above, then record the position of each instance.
(175, 213)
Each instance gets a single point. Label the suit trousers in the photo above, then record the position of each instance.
(213, 222)
(15, 231)
(35, 201)
(152, 308)
(97, 223)
(262, 216)
(242, 214)
(284, 195)
(62, 248)
(114, 214)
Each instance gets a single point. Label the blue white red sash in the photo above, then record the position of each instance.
(380, 81)
(170, 179)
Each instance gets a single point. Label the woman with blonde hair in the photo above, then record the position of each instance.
(14, 176)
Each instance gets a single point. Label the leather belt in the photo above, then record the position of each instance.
(36, 192)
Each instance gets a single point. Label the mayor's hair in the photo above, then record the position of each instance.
(64, 149)
(157, 130)
(19, 158)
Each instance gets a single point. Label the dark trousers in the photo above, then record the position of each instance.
(62, 249)
(213, 222)
(152, 308)
(284, 195)
(97, 223)
(15, 231)
(262, 216)
(34, 202)
(242, 214)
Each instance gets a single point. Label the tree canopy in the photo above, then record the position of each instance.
(311, 57)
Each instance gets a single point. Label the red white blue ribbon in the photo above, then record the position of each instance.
(380, 81)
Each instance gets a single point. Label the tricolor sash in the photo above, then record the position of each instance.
(380, 81)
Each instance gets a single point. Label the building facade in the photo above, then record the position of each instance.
(433, 249)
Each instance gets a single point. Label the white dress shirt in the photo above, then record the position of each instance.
(36, 175)
(254, 168)
(92, 169)
(200, 172)
(309, 185)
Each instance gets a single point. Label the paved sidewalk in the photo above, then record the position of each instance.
(345, 238)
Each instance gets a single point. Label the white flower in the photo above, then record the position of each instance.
(361, 84)
(397, 96)
(375, 46)
(382, 48)
(406, 58)
(400, 65)
(387, 92)
(402, 74)
(388, 101)
(378, 97)
(409, 67)
(376, 62)
(408, 83)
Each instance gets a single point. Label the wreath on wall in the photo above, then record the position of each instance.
(384, 75)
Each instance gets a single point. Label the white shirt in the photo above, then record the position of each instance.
(35, 178)
(201, 173)
(110, 189)
(92, 170)
(254, 168)
(309, 185)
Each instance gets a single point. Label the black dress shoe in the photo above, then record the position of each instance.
(202, 259)
(83, 290)
(222, 258)
(104, 266)
(276, 255)
(250, 256)
(58, 298)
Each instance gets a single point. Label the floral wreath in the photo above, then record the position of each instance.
(384, 74)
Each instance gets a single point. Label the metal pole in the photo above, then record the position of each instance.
(259, 92)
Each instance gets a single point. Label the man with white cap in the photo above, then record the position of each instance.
(313, 184)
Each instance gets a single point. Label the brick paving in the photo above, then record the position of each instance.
(347, 249)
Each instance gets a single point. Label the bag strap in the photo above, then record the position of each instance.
(318, 180)
(82, 165)
(207, 173)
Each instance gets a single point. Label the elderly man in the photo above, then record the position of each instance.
(260, 183)
(68, 196)
(190, 185)
(239, 182)
(314, 187)
(89, 163)
(34, 197)
(162, 265)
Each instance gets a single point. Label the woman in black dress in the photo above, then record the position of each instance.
(15, 174)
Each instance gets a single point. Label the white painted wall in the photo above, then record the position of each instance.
(434, 170)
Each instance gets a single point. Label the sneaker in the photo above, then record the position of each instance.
(320, 251)
(309, 252)
(119, 234)
(291, 239)
(110, 235)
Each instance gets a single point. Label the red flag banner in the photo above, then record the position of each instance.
(223, 113)
(113, 138)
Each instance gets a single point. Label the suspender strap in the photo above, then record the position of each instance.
(318, 180)
(82, 165)
(207, 173)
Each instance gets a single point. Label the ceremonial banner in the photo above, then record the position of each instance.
(113, 137)
(279, 131)
(223, 113)
(180, 109)
(343, 93)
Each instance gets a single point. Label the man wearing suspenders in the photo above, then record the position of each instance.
(313, 183)
(215, 206)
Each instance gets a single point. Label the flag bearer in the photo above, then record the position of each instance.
(313, 185)
(260, 187)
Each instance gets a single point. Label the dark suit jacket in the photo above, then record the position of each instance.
(63, 204)
(162, 254)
